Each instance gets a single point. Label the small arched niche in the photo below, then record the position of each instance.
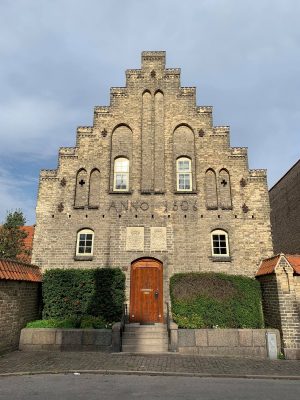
(81, 189)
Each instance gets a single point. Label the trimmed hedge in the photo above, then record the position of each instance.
(215, 300)
(69, 293)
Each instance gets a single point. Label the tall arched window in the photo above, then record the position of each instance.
(85, 242)
(219, 243)
(121, 174)
(184, 174)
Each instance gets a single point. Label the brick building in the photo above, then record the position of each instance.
(153, 187)
(285, 212)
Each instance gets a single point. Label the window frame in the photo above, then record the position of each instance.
(126, 173)
(215, 233)
(85, 231)
(188, 172)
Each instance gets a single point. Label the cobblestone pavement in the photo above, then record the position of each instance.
(54, 362)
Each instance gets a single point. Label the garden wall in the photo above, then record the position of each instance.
(36, 339)
(19, 301)
(226, 342)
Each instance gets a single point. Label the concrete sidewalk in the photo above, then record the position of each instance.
(151, 364)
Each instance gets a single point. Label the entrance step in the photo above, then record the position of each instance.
(145, 338)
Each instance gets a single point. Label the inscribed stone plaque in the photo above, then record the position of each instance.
(158, 239)
(135, 238)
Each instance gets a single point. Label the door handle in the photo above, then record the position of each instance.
(156, 294)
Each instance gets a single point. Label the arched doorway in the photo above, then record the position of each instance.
(146, 291)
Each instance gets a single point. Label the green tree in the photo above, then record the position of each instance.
(12, 236)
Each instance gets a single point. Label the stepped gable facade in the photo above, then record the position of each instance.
(153, 185)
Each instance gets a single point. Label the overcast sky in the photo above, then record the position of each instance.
(59, 59)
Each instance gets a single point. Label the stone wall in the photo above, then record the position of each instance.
(285, 212)
(152, 121)
(19, 304)
(47, 339)
(226, 342)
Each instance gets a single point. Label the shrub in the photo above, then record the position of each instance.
(69, 293)
(89, 322)
(207, 300)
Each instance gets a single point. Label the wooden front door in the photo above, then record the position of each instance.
(146, 291)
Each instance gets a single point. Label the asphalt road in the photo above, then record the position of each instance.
(125, 387)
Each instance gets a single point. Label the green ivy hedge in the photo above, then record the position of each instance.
(208, 300)
(78, 293)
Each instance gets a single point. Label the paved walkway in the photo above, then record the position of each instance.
(168, 364)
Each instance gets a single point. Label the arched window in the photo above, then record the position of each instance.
(85, 242)
(219, 243)
(121, 174)
(184, 174)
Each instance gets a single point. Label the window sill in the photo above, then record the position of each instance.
(120, 192)
(93, 207)
(83, 258)
(78, 207)
(185, 192)
(220, 258)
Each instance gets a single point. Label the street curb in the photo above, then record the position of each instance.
(150, 373)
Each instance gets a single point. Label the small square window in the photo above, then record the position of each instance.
(85, 242)
(219, 240)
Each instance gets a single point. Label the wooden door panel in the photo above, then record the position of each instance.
(146, 292)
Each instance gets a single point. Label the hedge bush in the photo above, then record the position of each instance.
(207, 300)
(69, 293)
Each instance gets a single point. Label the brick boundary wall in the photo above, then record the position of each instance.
(19, 301)
(280, 285)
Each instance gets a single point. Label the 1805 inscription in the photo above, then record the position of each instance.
(135, 206)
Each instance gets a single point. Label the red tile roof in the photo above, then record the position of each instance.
(294, 260)
(268, 266)
(17, 271)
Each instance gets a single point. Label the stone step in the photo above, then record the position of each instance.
(145, 341)
(144, 349)
(145, 328)
(145, 338)
(147, 334)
